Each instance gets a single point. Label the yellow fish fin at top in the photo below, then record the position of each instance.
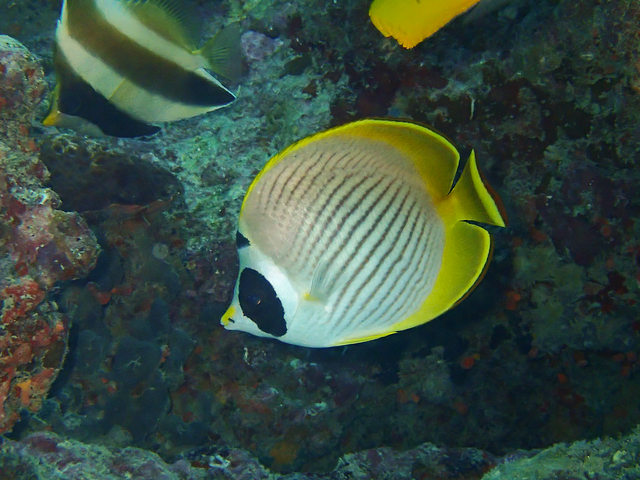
(411, 21)
(467, 247)
(169, 19)
(473, 199)
(434, 157)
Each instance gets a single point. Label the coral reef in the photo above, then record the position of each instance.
(40, 246)
(45, 455)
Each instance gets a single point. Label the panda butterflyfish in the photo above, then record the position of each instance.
(122, 65)
(411, 21)
(358, 232)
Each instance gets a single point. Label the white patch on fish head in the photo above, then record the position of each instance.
(264, 298)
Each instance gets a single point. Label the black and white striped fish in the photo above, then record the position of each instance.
(122, 65)
(356, 233)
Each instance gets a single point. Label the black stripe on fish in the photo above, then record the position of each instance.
(392, 242)
(338, 223)
(363, 220)
(78, 98)
(327, 215)
(405, 264)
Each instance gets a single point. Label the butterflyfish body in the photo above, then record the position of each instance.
(356, 233)
(122, 65)
(411, 21)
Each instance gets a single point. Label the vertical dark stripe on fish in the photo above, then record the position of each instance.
(322, 229)
(416, 282)
(275, 202)
(311, 181)
(410, 262)
(309, 242)
(341, 221)
(363, 218)
(303, 234)
(426, 260)
(398, 258)
(360, 288)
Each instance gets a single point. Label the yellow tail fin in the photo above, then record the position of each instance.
(474, 200)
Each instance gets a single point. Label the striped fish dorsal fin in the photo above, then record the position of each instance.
(168, 18)
(433, 156)
(224, 53)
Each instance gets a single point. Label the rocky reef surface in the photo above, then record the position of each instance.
(545, 350)
(40, 245)
(44, 455)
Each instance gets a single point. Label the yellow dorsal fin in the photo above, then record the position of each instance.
(169, 19)
(434, 157)
(411, 21)
(223, 52)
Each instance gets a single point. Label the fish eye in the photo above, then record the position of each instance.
(254, 298)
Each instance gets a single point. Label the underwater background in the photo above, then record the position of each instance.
(118, 259)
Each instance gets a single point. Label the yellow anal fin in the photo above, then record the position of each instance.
(411, 21)
(466, 255)
(467, 247)
(367, 338)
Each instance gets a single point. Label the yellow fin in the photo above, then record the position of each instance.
(169, 19)
(223, 52)
(467, 247)
(466, 254)
(473, 199)
(435, 157)
(368, 338)
(53, 115)
(411, 21)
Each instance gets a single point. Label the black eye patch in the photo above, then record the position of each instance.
(260, 303)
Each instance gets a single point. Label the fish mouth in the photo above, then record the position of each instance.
(226, 318)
